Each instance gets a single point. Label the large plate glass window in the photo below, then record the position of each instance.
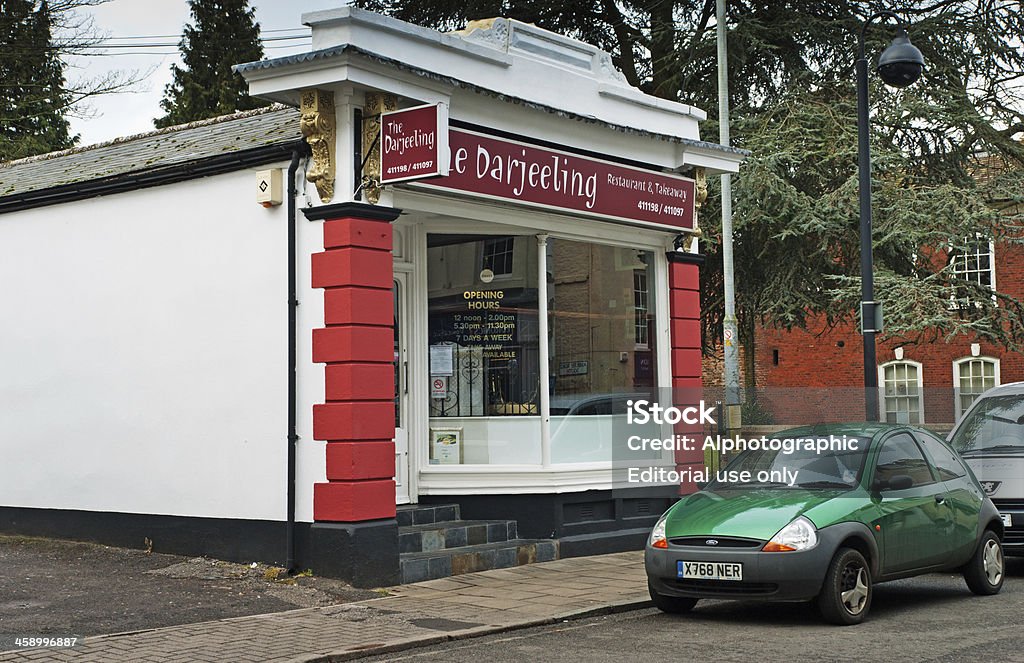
(601, 344)
(483, 354)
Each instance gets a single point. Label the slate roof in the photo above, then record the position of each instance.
(151, 153)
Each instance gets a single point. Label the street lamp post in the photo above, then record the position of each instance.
(900, 65)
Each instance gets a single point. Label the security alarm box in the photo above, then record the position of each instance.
(268, 187)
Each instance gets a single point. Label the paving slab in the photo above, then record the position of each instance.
(412, 615)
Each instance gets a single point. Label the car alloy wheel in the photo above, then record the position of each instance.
(985, 571)
(855, 587)
(993, 559)
(845, 596)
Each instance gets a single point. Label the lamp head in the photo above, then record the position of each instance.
(901, 63)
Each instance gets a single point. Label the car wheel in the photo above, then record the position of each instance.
(671, 604)
(985, 572)
(845, 596)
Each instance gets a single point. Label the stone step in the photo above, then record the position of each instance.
(454, 534)
(420, 566)
(424, 514)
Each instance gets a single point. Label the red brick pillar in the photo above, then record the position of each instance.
(684, 309)
(357, 419)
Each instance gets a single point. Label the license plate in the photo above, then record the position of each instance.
(709, 570)
(1007, 519)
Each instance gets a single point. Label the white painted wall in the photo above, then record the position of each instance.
(143, 351)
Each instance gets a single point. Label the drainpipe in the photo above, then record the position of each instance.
(300, 150)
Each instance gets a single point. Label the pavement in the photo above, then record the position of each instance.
(414, 615)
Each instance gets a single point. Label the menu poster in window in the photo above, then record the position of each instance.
(442, 360)
(445, 446)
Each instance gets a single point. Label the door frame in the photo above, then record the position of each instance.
(404, 277)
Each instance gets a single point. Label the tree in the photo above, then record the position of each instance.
(794, 106)
(33, 97)
(222, 33)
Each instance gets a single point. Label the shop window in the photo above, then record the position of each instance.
(601, 349)
(483, 349)
(901, 387)
(972, 376)
(498, 254)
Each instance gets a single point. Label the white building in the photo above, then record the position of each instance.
(156, 371)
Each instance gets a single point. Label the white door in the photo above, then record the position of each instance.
(401, 394)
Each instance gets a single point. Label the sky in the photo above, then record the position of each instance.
(124, 114)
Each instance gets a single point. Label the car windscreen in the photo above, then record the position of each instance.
(796, 465)
(995, 424)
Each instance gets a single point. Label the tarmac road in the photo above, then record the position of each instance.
(931, 618)
(52, 587)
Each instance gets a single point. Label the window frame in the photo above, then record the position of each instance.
(510, 251)
(957, 364)
(920, 389)
(957, 257)
(920, 449)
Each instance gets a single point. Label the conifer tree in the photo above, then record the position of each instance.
(222, 33)
(33, 96)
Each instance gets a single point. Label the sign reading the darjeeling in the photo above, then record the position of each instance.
(414, 143)
(512, 171)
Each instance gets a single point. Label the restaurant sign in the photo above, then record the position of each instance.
(414, 143)
(509, 170)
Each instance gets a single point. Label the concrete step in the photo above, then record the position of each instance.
(424, 514)
(420, 566)
(454, 534)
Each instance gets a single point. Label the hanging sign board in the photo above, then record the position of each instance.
(509, 170)
(414, 143)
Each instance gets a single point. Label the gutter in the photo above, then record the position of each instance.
(299, 150)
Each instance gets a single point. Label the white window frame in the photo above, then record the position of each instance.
(920, 387)
(957, 364)
(953, 303)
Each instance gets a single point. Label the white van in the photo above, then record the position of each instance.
(990, 437)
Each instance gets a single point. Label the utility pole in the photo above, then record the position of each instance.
(730, 338)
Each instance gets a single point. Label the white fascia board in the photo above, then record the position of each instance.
(713, 159)
(533, 79)
(348, 69)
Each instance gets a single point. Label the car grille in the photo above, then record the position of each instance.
(727, 587)
(723, 542)
(1009, 504)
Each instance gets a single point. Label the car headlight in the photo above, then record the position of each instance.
(798, 535)
(658, 539)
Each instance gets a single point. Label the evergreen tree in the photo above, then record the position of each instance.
(793, 101)
(33, 95)
(222, 33)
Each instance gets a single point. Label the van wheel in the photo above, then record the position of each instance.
(986, 570)
(845, 596)
(671, 604)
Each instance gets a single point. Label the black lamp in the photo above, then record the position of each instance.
(899, 66)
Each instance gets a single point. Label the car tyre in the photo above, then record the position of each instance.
(986, 570)
(845, 596)
(671, 604)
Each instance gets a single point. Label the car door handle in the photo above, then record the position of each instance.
(940, 499)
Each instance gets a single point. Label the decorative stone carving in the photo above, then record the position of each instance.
(319, 126)
(376, 103)
(701, 193)
(490, 31)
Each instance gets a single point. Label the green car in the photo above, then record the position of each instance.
(823, 513)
